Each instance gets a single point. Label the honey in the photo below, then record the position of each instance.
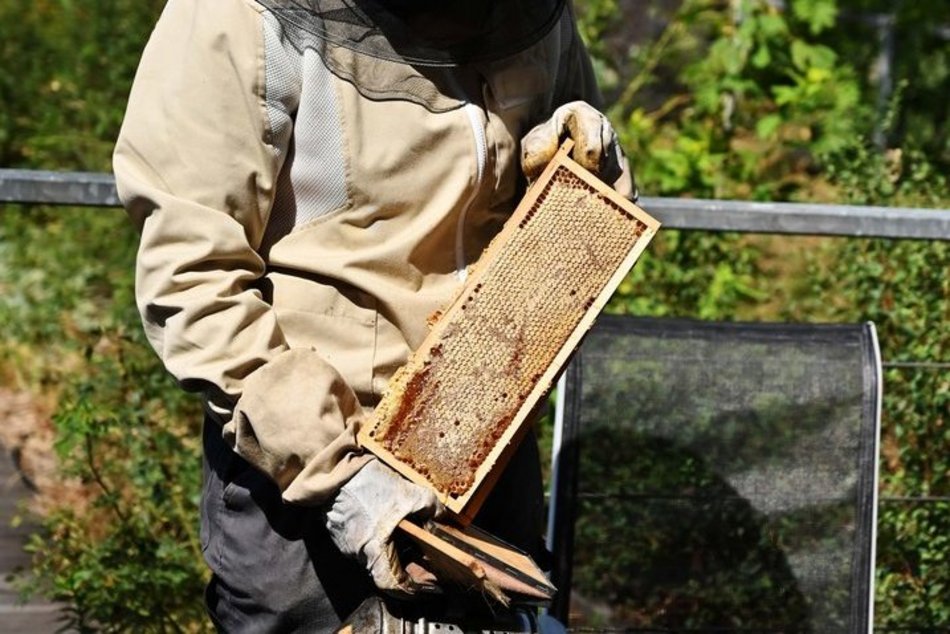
(452, 412)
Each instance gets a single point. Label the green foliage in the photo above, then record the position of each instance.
(691, 275)
(818, 14)
(130, 562)
(912, 566)
(921, 63)
(750, 90)
(123, 554)
(65, 71)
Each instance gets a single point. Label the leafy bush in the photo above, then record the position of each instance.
(129, 559)
(65, 74)
(129, 562)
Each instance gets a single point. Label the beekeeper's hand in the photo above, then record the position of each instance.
(596, 147)
(364, 513)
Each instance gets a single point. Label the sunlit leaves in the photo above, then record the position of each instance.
(818, 14)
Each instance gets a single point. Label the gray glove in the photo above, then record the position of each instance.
(596, 147)
(364, 513)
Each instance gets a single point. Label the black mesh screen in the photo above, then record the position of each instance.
(419, 32)
(721, 477)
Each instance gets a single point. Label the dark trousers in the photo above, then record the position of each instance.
(274, 566)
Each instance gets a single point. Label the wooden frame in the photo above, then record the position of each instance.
(465, 504)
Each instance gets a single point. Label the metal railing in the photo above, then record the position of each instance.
(98, 190)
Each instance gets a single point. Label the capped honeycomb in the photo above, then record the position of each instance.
(460, 401)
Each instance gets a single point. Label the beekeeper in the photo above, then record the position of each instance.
(311, 180)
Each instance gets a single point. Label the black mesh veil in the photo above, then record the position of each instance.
(419, 32)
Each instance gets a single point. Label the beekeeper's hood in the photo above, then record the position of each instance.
(419, 33)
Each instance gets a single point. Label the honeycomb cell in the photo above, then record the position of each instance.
(455, 399)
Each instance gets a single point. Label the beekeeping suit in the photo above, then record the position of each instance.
(311, 180)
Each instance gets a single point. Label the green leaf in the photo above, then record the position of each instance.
(762, 57)
(806, 56)
(818, 14)
(768, 125)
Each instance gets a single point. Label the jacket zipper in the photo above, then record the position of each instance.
(481, 158)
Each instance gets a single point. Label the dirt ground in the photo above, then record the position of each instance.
(27, 435)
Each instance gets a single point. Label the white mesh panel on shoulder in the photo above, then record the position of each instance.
(313, 177)
(318, 171)
(281, 86)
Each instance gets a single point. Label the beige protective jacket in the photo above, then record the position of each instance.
(296, 234)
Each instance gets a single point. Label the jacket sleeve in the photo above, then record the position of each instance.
(577, 81)
(196, 163)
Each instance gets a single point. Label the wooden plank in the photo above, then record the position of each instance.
(467, 568)
(455, 412)
(497, 554)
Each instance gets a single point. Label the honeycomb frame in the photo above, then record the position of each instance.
(454, 413)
